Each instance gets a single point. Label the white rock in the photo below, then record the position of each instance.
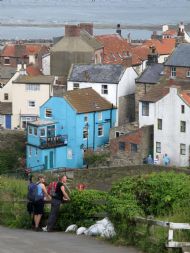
(104, 222)
(71, 228)
(94, 230)
(81, 231)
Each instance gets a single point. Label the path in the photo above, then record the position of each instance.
(25, 241)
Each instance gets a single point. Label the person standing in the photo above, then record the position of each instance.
(38, 204)
(60, 196)
(166, 160)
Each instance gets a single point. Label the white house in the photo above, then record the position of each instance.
(168, 109)
(28, 94)
(113, 82)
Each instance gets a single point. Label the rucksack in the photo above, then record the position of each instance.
(33, 192)
(52, 188)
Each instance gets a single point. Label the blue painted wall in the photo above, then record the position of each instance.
(68, 122)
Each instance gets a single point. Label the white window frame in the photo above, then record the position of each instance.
(159, 124)
(7, 58)
(44, 132)
(31, 103)
(182, 149)
(182, 126)
(85, 133)
(173, 72)
(32, 87)
(100, 131)
(104, 89)
(158, 147)
(35, 131)
(36, 152)
(182, 109)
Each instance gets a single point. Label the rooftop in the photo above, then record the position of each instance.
(41, 122)
(151, 74)
(40, 79)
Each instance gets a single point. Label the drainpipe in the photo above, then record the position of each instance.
(94, 131)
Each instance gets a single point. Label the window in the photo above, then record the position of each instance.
(173, 71)
(48, 113)
(100, 130)
(32, 87)
(35, 131)
(86, 118)
(182, 109)
(36, 151)
(31, 103)
(182, 149)
(6, 96)
(85, 132)
(30, 130)
(7, 61)
(159, 124)
(76, 86)
(122, 146)
(42, 132)
(99, 116)
(182, 126)
(134, 147)
(188, 73)
(104, 89)
(117, 134)
(158, 147)
(145, 108)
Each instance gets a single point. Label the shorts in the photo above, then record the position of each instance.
(39, 207)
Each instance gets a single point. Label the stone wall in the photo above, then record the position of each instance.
(103, 178)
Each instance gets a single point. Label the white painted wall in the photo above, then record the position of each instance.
(46, 64)
(20, 100)
(162, 58)
(169, 110)
(146, 120)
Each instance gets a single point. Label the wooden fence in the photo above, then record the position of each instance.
(172, 227)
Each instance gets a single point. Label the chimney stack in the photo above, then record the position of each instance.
(127, 60)
(72, 31)
(88, 27)
(118, 30)
(152, 56)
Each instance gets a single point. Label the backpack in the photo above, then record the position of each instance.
(52, 188)
(33, 192)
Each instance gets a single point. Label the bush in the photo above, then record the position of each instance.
(83, 208)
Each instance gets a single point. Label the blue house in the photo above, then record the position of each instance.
(67, 127)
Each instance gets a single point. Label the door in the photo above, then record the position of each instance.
(51, 160)
(46, 162)
(8, 121)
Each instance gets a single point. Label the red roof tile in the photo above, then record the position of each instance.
(186, 96)
(163, 47)
(171, 32)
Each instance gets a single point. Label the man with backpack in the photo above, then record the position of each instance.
(59, 197)
(36, 193)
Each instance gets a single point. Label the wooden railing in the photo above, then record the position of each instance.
(171, 226)
(48, 142)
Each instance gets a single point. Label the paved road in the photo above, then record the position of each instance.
(25, 241)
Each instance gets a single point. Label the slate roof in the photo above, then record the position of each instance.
(151, 74)
(35, 79)
(87, 100)
(7, 72)
(96, 73)
(180, 57)
(5, 108)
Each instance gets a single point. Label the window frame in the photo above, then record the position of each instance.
(100, 130)
(145, 108)
(121, 146)
(43, 128)
(48, 114)
(182, 126)
(159, 124)
(134, 147)
(31, 103)
(182, 149)
(35, 131)
(6, 96)
(30, 130)
(173, 72)
(99, 116)
(158, 147)
(104, 89)
(7, 59)
(76, 86)
(182, 109)
(188, 73)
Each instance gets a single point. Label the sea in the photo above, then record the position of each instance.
(45, 19)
